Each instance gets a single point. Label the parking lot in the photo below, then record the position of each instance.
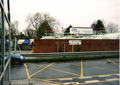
(89, 72)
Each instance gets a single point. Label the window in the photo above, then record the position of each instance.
(4, 42)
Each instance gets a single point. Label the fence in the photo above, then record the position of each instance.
(92, 53)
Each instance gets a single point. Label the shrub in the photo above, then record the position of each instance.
(64, 59)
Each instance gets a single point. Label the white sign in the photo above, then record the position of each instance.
(81, 31)
(74, 42)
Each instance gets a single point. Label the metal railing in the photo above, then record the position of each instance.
(91, 53)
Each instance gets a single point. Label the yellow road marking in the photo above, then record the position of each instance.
(95, 61)
(89, 66)
(47, 81)
(73, 73)
(101, 68)
(81, 68)
(70, 64)
(97, 82)
(104, 75)
(83, 77)
(27, 70)
(113, 62)
(57, 70)
(58, 83)
(65, 72)
(42, 69)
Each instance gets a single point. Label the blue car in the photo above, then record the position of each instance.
(16, 59)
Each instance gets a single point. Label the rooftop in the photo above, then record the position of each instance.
(101, 36)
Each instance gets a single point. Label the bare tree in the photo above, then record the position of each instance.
(30, 33)
(14, 29)
(54, 24)
(35, 20)
(112, 27)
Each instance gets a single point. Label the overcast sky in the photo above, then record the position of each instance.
(79, 13)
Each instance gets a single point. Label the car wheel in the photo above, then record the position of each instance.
(16, 62)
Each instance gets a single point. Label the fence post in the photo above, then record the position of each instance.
(15, 44)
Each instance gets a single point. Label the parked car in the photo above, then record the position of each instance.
(16, 59)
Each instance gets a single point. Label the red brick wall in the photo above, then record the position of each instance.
(50, 46)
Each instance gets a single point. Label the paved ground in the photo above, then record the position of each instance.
(22, 51)
(93, 72)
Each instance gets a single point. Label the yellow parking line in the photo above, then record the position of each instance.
(101, 68)
(81, 68)
(102, 75)
(27, 70)
(54, 82)
(42, 69)
(97, 82)
(113, 62)
(82, 77)
(65, 72)
(95, 61)
(70, 64)
(89, 66)
(74, 73)
(57, 70)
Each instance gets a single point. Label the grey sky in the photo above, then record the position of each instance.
(80, 13)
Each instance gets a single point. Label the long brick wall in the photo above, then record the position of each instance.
(50, 46)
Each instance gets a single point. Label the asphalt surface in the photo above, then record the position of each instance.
(92, 72)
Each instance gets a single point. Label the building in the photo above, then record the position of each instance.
(52, 44)
(82, 38)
